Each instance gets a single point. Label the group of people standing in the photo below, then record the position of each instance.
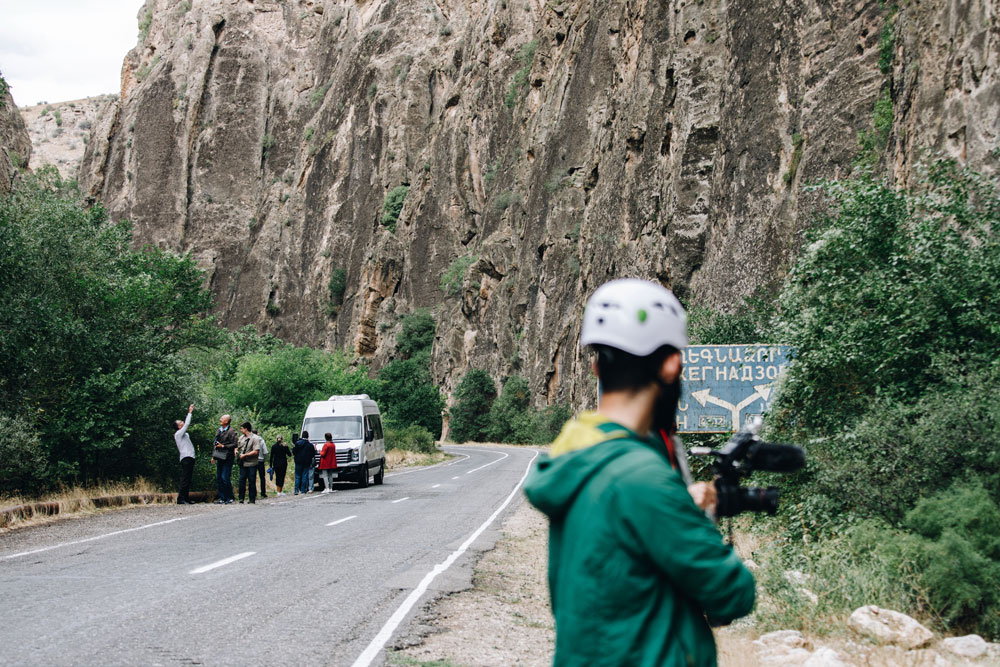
(249, 452)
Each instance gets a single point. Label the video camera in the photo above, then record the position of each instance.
(744, 453)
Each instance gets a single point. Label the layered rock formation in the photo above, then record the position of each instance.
(542, 148)
(15, 144)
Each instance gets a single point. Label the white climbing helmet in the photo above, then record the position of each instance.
(633, 315)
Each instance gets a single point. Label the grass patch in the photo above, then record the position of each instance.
(76, 501)
(454, 275)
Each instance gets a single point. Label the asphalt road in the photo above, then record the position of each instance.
(317, 579)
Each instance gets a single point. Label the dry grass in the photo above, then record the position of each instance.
(76, 500)
(400, 458)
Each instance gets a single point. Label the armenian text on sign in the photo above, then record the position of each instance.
(727, 386)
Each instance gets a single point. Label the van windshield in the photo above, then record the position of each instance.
(342, 428)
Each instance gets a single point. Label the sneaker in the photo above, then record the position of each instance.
(253, 502)
(241, 501)
(296, 493)
(263, 495)
(220, 502)
(230, 501)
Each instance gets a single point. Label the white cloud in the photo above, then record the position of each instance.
(58, 50)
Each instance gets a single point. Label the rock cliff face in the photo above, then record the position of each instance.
(59, 132)
(15, 144)
(542, 147)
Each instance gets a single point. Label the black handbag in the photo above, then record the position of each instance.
(219, 453)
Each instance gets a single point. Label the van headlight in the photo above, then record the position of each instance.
(354, 455)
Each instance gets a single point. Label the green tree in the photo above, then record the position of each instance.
(407, 389)
(90, 347)
(470, 414)
(278, 385)
(510, 417)
(410, 396)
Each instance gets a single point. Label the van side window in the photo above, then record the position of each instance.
(378, 426)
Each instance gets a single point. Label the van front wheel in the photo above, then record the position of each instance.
(380, 475)
(363, 476)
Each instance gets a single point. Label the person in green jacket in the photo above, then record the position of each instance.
(637, 572)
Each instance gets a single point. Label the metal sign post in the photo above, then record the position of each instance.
(726, 386)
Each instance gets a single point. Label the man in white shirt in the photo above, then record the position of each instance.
(186, 451)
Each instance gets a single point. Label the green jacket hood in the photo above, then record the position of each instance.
(584, 446)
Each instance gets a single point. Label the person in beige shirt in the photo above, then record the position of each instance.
(248, 455)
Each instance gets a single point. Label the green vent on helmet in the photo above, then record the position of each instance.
(642, 315)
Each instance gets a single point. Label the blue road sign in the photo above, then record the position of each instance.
(727, 386)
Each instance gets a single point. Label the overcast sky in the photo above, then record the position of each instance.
(59, 50)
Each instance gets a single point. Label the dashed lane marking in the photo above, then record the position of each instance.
(220, 563)
(334, 523)
(400, 500)
(505, 455)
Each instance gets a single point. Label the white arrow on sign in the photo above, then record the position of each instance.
(705, 396)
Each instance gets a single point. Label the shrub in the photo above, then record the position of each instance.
(893, 281)
(22, 457)
(411, 438)
(317, 95)
(505, 200)
(513, 419)
(57, 114)
(393, 205)
(145, 21)
(886, 43)
(337, 287)
(750, 323)
(266, 144)
(470, 414)
(454, 275)
(416, 336)
(519, 82)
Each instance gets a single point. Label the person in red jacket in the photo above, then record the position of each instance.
(327, 461)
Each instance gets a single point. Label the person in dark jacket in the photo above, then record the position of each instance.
(637, 571)
(225, 439)
(303, 453)
(278, 462)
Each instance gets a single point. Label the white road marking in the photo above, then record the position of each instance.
(435, 486)
(400, 500)
(505, 455)
(334, 523)
(96, 537)
(220, 563)
(458, 460)
(383, 636)
(436, 465)
(454, 477)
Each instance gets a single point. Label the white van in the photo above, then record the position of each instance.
(356, 426)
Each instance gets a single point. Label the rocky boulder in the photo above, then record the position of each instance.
(889, 627)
